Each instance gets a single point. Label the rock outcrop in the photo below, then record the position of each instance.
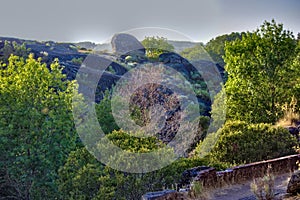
(128, 54)
(124, 44)
(190, 174)
(294, 183)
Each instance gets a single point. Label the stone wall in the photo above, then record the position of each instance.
(212, 178)
(248, 171)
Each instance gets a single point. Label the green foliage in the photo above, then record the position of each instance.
(155, 46)
(261, 77)
(77, 61)
(197, 52)
(111, 70)
(218, 112)
(240, 142)
(7, 50)
(37, 134)
(36, 126)
(83, 177)
(104, 114)
(204, 123)
(134, 144)
(296, 67)
(13, 48)
(79, 177)
(216, 47)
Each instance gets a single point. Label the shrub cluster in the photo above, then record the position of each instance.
(241, 142)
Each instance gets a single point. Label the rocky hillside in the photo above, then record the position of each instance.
(106, 47)
(71, 57)
(127, 53)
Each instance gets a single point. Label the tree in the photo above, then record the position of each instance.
(7, 50)
(104, 114)
(261, 77)
(155, 46)
(79, 176)
(296, 67)
(216, 47)
(36, 127)
(13, 48)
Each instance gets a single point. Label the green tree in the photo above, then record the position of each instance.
(296, 81)
(7, 50)
(104, 114)
(36, 127)
(79, 176)
(155, 46)
(261, 77)
(13, 48)
(216, 47)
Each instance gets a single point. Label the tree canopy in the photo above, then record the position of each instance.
(156, 45)
(261, 73)
(36, 127)
(216, 47)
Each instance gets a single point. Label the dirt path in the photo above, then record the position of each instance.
(243, 191)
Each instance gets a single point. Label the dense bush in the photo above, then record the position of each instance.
(83, 177)
(104, 114)
(241, 142)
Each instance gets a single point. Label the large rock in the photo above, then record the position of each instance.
(172, 58)
(191, 74)
(125, 44)
(294, 183)
(189, 174)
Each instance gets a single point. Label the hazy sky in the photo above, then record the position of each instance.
(98, 20)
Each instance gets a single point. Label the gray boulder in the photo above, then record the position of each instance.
(294, 183)
(189, 174)
(124, 44)
(173, 58)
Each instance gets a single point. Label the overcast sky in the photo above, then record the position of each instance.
(98, 20)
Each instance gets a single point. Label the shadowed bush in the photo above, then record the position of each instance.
(240, 142)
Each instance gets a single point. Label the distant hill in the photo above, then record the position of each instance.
(86, 45)
(178, 45)
(103, 47)
(181, 45)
